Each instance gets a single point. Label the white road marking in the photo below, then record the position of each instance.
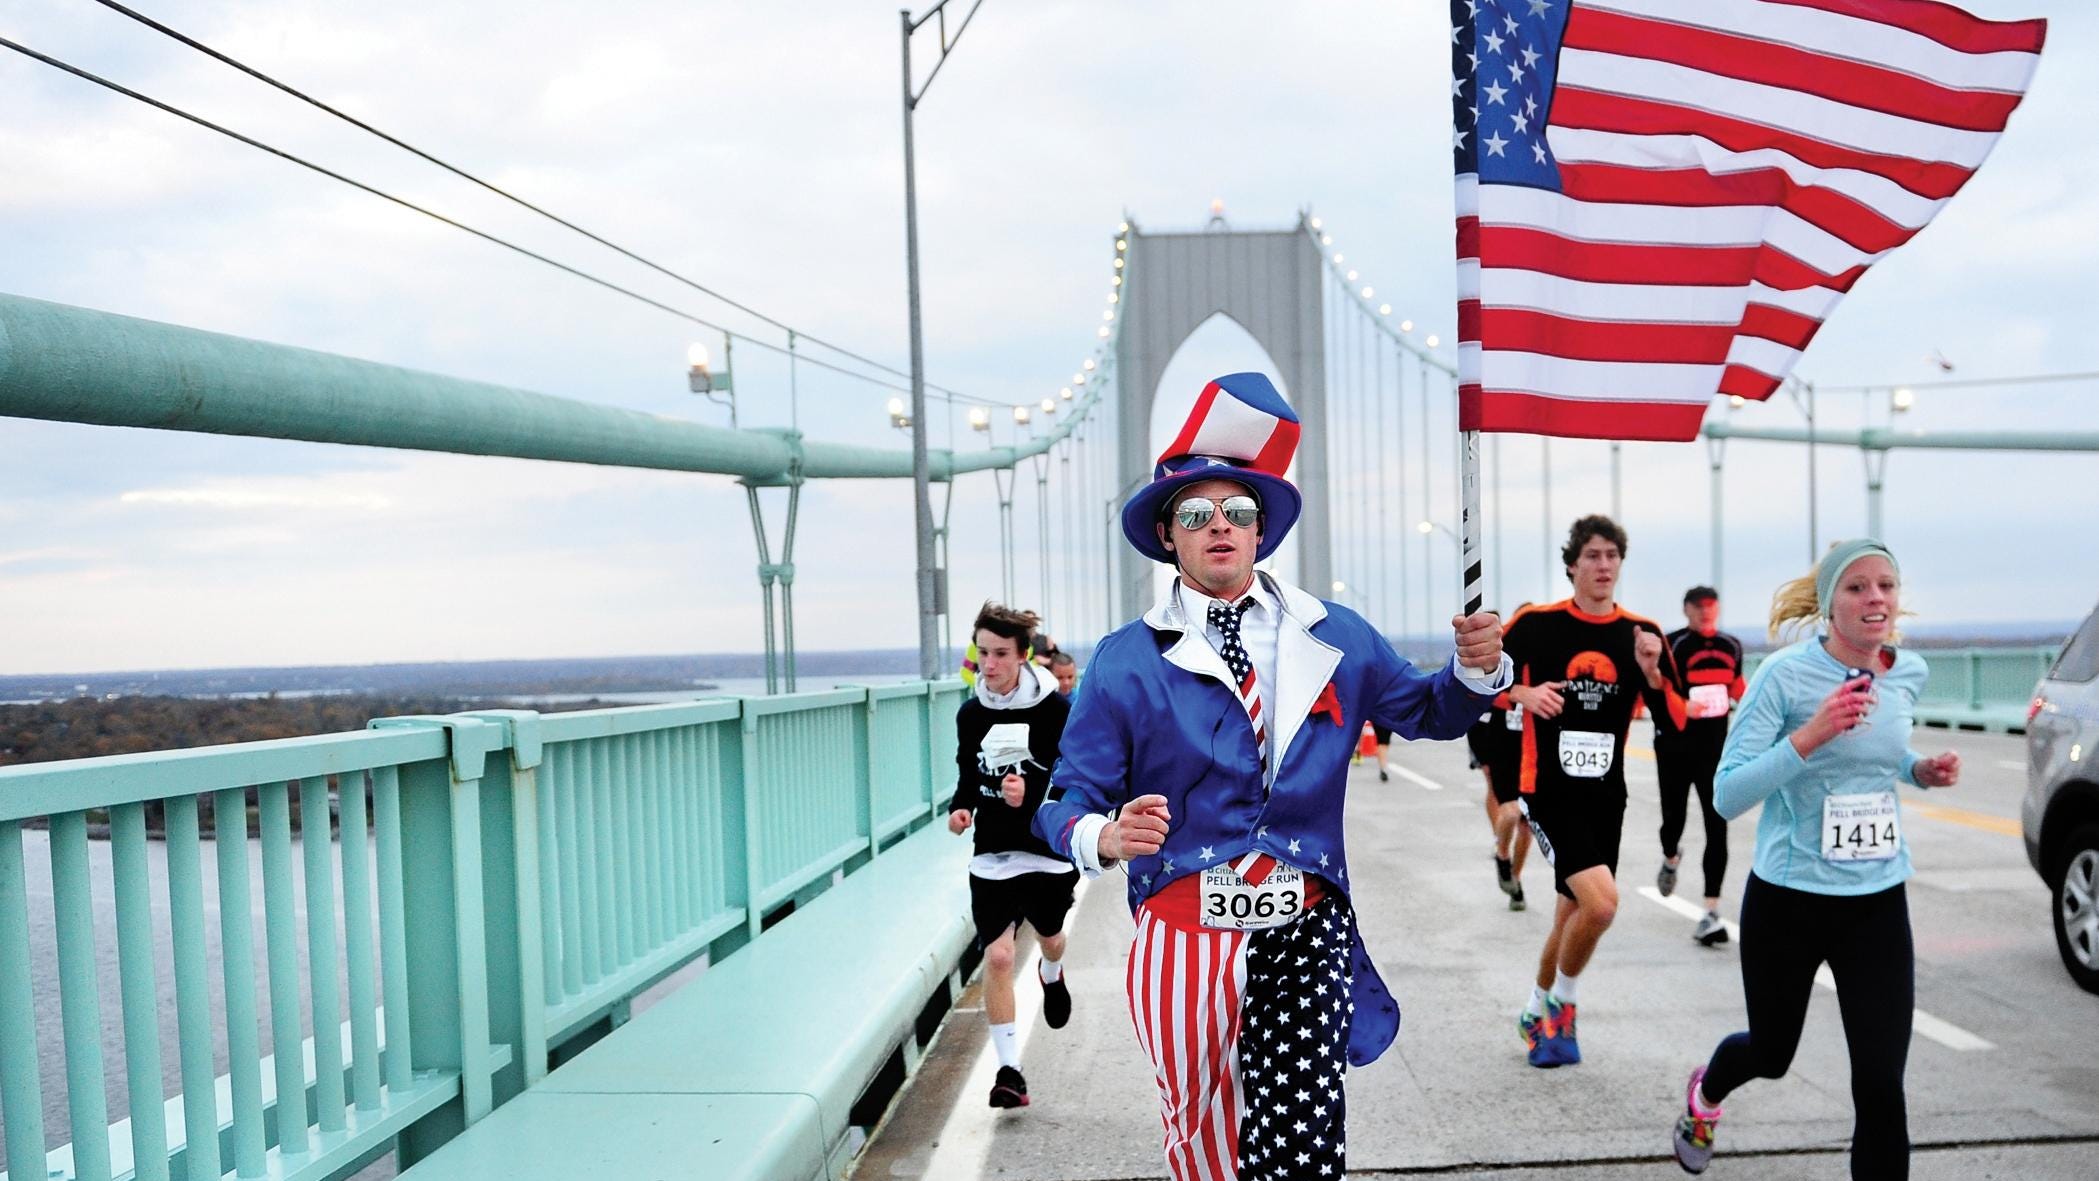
(1938, 1029)
(964, 1146)
(1947, 1034)
(2012, 764)
(1414, 778)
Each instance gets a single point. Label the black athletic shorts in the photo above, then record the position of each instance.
(1576, 831)
(1502, 759)
(1480, 741)
(1381, 733)
(1039, 899)
(1506, 777)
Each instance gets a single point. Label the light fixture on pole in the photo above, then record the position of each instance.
(899, 414)
(1020, 415)
(1049, 405)
(980, 419)
(1902, 400)
(702, 380)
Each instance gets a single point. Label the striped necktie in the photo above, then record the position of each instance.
(1226, 618)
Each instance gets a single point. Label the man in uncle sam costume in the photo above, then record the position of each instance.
(1209, 753)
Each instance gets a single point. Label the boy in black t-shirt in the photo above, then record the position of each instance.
(1007, 735)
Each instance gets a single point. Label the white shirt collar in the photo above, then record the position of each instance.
(1195, 605)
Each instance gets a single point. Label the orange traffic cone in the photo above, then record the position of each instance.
(1366, 746)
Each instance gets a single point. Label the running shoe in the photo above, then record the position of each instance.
(1694, 1128)
(1537, 1038)
(1056, 1002)
(1505, 876)
(1561, 1046)
(1516, 897)
(1009, 1089)
(1712, 930)
(1665, 879)
(1384, 772)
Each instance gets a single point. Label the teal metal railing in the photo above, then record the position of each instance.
(504, 884)
(1976, 686)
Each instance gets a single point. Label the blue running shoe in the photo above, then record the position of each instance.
(1537, 1038)
(1559, 1019)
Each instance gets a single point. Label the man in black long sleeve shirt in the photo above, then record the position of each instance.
(1007, 735)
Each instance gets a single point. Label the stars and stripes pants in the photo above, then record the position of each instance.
(1248, 1036)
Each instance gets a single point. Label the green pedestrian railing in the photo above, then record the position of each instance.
(1977, 688)
(503, 885)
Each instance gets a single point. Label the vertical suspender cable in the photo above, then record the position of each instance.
(1384, 497)
(1428, 510)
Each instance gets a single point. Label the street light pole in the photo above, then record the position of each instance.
(921, 493)
(931, 579)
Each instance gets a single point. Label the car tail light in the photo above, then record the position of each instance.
(2033, 708)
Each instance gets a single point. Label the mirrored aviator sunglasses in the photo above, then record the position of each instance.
(1196, 511)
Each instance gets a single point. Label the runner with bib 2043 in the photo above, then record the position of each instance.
(1581, 664)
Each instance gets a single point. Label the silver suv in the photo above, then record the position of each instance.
(2061, 812)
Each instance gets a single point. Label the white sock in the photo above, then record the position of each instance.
(1535, 1007)
(1705, 1106)
(1563, 988)
(1051, 970)
(1006, 1040)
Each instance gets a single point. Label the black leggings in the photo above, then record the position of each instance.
(1680, 765)
(1865, 939)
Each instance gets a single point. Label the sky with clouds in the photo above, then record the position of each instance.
(758, 148)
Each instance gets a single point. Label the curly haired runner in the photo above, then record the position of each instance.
(1209, 751)
(1580, 665)
(1822, 737)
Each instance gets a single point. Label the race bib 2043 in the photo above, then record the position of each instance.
(1585, 754)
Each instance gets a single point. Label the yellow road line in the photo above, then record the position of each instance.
(2001, 825)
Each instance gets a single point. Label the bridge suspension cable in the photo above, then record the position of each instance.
(795, 335)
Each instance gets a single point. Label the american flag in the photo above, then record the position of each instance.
(1660, 200)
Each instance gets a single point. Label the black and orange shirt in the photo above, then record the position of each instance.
(1591, 656)
(1710, 671)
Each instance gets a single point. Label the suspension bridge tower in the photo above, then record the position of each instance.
(1270, 283)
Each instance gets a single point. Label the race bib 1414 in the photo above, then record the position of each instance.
(1861, 827)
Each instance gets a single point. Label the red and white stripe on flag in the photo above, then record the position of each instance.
(1662, 201)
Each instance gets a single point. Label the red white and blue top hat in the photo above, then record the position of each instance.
(1240, 429)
